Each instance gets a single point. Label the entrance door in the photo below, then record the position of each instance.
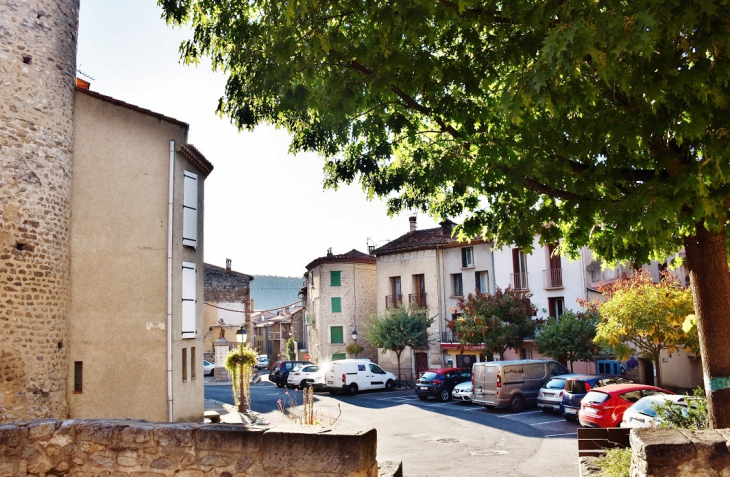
(421, 363)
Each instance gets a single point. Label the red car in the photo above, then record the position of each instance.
(605, 406)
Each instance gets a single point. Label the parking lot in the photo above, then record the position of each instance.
(439, 439)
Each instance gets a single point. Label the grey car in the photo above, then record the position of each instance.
(550, 395)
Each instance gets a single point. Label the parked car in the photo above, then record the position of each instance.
(353, 375)
(512, 384)
(440, 382)
(279, 371)
(304, 376)
(262, 361)
(208, 368)
(577, 387)
(462, 392)
(643, 414)
(605, 406)
(550, 396)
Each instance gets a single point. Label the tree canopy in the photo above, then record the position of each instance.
(500, 321)
(569, 337)
(602, 123)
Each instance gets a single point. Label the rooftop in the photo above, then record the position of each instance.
(353, 256)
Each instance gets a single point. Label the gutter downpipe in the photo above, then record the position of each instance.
(169, 282)
(439, 287)
(494, 271)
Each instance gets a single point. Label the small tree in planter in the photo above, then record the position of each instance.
(290, 351)
(240, 363)
(354, 349)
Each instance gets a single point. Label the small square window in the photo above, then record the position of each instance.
(336, 304)
(467, 257)
(457, 284)
(335, 279)
(337, 335)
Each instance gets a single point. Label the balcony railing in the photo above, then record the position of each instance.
(552, 278)
(417, 300)
(448, 337)
(519, 281)
(393, 301)
(274, 336)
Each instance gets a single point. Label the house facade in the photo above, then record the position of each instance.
(340, 296)
(135, 340)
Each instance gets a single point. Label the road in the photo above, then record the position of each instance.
(438, 439)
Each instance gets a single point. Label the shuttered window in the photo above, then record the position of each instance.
(335, 279)
(336, 304)
(190, 209)
(337, 356)
(337, 334)
(189, 300)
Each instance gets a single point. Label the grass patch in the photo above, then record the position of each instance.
(615, 463)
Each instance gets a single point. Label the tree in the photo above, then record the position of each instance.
(291, 352)
(354, 349)
(499, 321)
(602, 124)
(640, 315)
(398, 329)
(569, 337)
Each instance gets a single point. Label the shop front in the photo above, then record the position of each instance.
(459, 355)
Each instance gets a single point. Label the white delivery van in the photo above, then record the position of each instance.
(353, 375)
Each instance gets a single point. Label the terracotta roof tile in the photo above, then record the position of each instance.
(353, 256)
(417, 240)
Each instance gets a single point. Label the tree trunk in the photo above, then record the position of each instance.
(657, 371)
(708, 271)
(397, 356)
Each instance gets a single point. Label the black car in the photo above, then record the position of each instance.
(440, 382)
(279, 371)
(577, 387)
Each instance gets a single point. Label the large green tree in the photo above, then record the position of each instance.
(499, 321)
(397, 329)
(603, 123)
(569, 337)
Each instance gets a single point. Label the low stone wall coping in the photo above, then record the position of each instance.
(680, 453)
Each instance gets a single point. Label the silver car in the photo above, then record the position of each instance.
(550, 396)
(462, 392)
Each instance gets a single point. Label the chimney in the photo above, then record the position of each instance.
(412, 221)
(228, 265)
(81, 84)
(447, 227)
(329, 252)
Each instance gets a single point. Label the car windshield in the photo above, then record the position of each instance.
(555, 384)
(646, 406)
(596, 397)
(429, 375)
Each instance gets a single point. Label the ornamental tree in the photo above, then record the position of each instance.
(569, 337)
(646, 317)
(398, 329)
(499, 321)
(600, 124)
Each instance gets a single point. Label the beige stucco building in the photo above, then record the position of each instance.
(340, 297)
(135, 344)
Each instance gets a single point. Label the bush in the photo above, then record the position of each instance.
(694, 416)
(615, 463)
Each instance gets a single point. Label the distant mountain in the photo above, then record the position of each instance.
(271, 292)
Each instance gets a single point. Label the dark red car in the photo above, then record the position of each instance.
(605, 406)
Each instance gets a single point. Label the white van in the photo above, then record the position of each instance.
(353, 375)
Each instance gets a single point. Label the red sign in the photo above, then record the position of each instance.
(463, 347)
(306, 356)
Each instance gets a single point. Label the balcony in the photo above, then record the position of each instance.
(418, 300)
(274, 336)
(519, 281)
(552, 279)
(393, 301)
(448, 337)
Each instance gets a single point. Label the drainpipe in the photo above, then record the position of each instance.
(439, 288)
(494, 271)
(169, 281)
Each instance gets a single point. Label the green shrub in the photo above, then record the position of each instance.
(615, 463)
(694, 416)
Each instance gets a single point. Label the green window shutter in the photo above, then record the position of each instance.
(336, 305)
(336, 335)
(335, 279)
(337, 356)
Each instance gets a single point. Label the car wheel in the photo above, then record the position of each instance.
(352, 389)
(303, 384)
(546, 410)
(444, 395)
(570, 417)
(334, 392)
(389, 385)
(423, 398)
(280, 385)
(517, 403)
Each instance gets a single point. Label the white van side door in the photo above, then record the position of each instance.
(363, 376)
(378, 377)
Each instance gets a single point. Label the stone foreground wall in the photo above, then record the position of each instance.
(680, 453)
(37, 67)
(126, 447)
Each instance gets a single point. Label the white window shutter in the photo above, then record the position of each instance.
(189, 300)
(190, 209)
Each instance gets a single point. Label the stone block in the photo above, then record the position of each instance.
(391, 469)
(662, 447)
(711, 448)
(247, 440)
(42, 429)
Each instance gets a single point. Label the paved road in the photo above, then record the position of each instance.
(439, 439)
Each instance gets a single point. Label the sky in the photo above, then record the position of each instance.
(265, 209)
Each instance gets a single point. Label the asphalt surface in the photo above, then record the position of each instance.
(434, 438)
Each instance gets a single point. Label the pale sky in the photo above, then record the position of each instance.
(264, 208)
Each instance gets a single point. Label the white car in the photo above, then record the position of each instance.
(208, 368)
(462, 392)
(262, 361)
(642, 413)
(306, 375)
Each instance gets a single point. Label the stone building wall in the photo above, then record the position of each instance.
(95, 447)
(37, 67)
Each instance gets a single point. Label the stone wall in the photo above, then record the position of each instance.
(680, 453)
(37, 67)
(126, 447)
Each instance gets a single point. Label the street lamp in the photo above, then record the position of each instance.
(241, 336)
(354, 334)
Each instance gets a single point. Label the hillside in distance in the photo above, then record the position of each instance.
(270, 291)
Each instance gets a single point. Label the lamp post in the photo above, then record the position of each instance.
(354, 335)
(241, 336)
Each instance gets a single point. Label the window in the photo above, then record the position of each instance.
(482, 281)
(184, 364)
(337, 356)
(556, 306)
(374, 368)
(335, 279)
(337, 335)
(526, 353)
(467, 257)
(395, 299)
(556, 369)
(190, 209)
(458, 284)
(336, 304)
(519, 269)
(193, 363)
(189, 300)
(78, 377)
